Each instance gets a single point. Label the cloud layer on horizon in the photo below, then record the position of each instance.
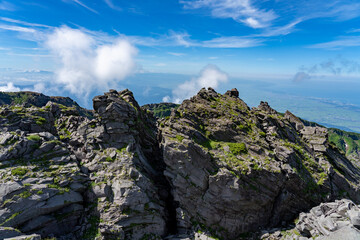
(337, 66)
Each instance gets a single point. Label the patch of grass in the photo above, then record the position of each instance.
(93, 231)
(262, 134)
(61, 189)
(323, 177)
(179, 138)
(109, 159)
(33, 138)
(19, 171)
(243, 127)
(10, 218)
(237, 148)
(25, 194)
(209, 144)
(122, 150)
(40, 121)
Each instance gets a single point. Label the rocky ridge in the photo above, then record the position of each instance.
(234, 170)
(213, 169)
(28, 99)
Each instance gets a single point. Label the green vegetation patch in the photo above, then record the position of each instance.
(19, 171)
(33, 138)
(162, 109)
(237, 148)
(348, 142)
(179, 138)
(40, 121)
(10, 218)
(93, 232)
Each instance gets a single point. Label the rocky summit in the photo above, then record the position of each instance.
(212, 169)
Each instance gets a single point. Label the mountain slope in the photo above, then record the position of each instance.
(348, 142)
(213, 168)
(234, 170)
(28, 99)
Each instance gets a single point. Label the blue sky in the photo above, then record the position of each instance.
(168, 49)
(275, 37)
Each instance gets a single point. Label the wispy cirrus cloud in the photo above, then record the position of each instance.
(7, 6)
(280, 31)
(38, 32)
(17, 28)
(340, 43)
(10, 20)
(176, 54)
(80, 3)
(232, 42)
(112, 5)
(343, 10)
(26, 30)
(275, 17)
(184, 39)
(85, 6)
(240, 10)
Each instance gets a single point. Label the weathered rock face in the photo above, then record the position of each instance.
(214, 168)
(234, 170)
(41, 186)
(117, 150)
(72, 177)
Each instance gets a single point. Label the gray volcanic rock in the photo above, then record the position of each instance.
(339, 218)
(36, 173)
(213, 169)
(234, 170)
(65, 175)
(118, 151)
(328, 221)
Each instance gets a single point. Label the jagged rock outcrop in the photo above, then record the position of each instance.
(72, 177)
(339, 218)
(117, 149)
(328, 221)
(41, 185)
(234, 170)
(214, 169)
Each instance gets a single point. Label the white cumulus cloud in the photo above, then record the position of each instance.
(38, 87)
(210, 76)
(9, 87)
(86, 64)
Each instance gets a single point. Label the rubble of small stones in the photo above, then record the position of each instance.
(214, 169)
